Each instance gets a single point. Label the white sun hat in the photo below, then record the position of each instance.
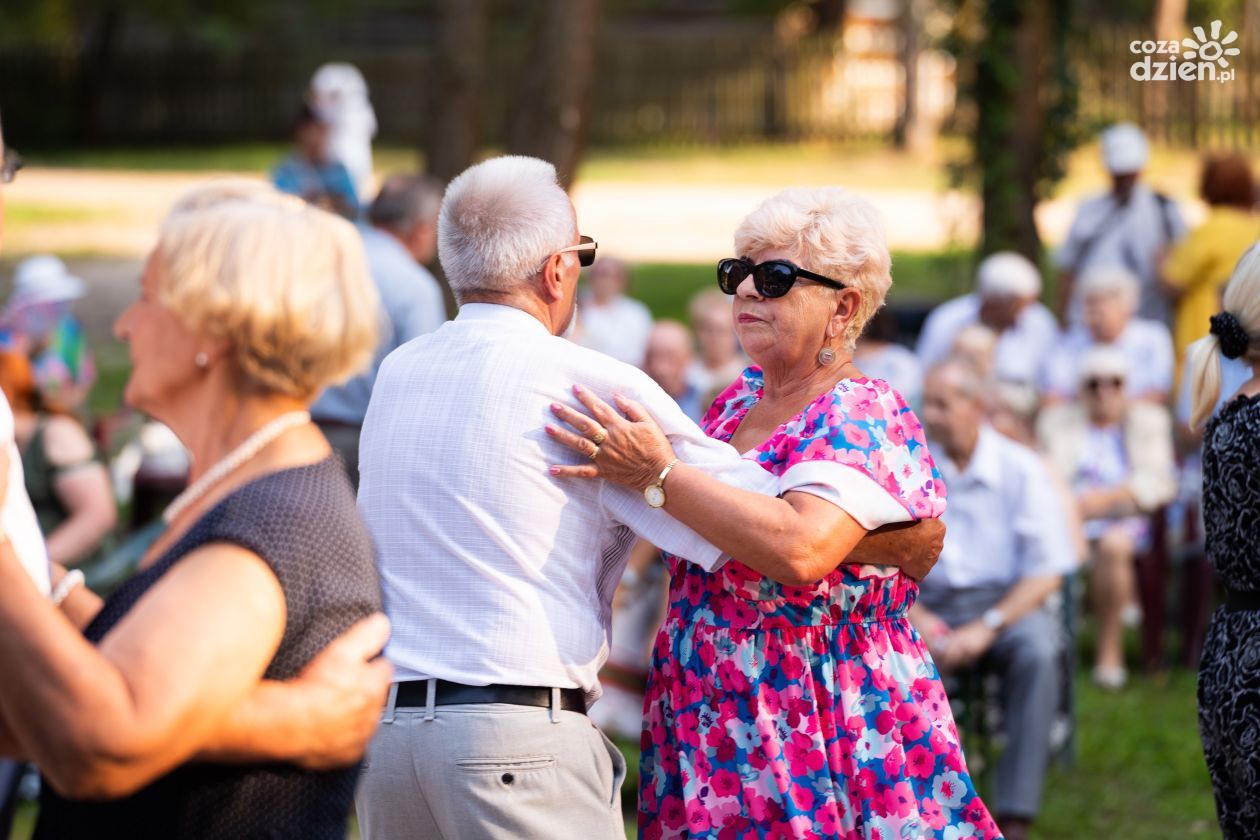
(1008, 274)
(44, 279)
(1124, 149)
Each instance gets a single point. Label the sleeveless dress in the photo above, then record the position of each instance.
(806, 711)
(303, 523)
(1229, 671)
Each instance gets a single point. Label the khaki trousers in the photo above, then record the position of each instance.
(492, 772)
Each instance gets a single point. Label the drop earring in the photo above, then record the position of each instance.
(201, 360)
(826, 356)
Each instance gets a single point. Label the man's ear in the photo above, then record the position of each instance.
(552, 278)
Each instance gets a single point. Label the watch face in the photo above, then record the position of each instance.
(655, 495)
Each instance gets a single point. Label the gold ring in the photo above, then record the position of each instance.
(600, 437)
(595, 452)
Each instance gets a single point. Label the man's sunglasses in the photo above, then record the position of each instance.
(772, 279)
(10, 165)
(585, 250)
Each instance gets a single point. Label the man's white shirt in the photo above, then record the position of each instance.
(493, 570)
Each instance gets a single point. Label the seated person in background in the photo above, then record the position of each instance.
(1110, 299)
(881, 357)
(667, 361)
(68, 486)
(1117, 453)
(1006, 551)
(40, 325)
(312, 173)
(608, 320)
(1005, 301)
(720, 360)
(976, 344)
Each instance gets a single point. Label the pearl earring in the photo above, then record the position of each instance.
(826, 356)
(201, 360)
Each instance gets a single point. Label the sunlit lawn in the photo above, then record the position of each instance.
(859, 166)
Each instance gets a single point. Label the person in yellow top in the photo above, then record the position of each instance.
(1197, 269)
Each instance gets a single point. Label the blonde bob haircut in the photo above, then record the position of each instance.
(284, 283)
(829, 231)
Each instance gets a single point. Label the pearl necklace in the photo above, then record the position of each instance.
(232, 461)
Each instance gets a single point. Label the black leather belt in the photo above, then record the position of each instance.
(1240, 601)
(415, 694)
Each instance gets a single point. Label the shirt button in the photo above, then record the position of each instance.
(508, 778)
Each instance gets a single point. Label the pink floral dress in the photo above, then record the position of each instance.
(806, 711)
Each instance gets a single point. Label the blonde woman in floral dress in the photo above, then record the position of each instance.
(800, 703)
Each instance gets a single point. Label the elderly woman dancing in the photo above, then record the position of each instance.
(250, 303)
(800, 703)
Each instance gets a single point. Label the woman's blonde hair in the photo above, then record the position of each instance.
(1242, 301)
(287, 284)
(833, 233)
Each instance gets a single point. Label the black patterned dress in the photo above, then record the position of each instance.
(302, 522)
(1229, 673)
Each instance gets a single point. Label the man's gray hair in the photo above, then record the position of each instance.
(500, 221)
(406, 201)
(969, 382)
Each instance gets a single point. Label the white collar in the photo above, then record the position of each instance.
(500, 313)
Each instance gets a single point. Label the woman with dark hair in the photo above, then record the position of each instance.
(1198, 268)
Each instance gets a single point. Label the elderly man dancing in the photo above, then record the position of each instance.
(499, 576)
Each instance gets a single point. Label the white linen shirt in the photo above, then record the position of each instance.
(1020, 352)
(1004, 521)
(493, 570)
(1147, 348)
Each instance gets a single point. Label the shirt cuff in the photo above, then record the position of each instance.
(849, 489)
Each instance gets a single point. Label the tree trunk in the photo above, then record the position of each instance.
(554, 99)
(453, 131)
(908, 132)
(1010, 146)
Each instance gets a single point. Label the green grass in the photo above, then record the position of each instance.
(20, 214)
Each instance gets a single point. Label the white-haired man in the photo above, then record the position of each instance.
(1006, 551)
(1005, 301)
(1129, 226)
(499, 577)
(1110, 297)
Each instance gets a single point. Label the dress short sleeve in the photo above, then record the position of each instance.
(862, 448)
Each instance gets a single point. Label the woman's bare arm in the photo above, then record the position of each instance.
(103, 721)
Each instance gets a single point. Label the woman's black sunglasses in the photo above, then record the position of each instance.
(772, 279)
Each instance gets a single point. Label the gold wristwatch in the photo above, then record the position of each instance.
(655, 493)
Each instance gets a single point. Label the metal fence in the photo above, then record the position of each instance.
(687, 84)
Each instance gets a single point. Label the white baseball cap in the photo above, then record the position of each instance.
(1008, 274)
(45, 279)
(1124, 149)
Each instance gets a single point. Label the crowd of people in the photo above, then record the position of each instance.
(774, 538)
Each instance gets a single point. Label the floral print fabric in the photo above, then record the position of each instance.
(809, 712)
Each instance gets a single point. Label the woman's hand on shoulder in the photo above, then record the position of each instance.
(630, 450)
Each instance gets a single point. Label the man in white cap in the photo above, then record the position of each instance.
(1005, 301)
(1129, 226)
